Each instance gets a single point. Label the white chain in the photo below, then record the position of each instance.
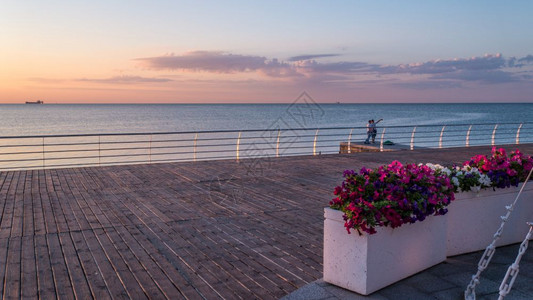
(470, 292)
(513, 269)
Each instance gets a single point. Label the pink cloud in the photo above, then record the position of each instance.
(490, 68)
(125, 79)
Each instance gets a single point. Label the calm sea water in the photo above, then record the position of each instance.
(32, 120)
(110, 118)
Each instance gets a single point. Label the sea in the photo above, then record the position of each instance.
(55, 119)
(44, 135)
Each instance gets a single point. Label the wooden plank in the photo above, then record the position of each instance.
(13, 268)
(93, 274)
(149, 264)
(53, 188)
(39, 222)
(141, 275)
(112, 281)
(131, 285)
(4, 242)
(18, 209)
(75, 270)
(63, 285)
(29, 270)
(45, 278)
(46, 202)
(28, 207)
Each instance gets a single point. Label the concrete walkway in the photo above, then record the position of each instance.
(445, 281)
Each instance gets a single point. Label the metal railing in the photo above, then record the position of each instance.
(56, 151)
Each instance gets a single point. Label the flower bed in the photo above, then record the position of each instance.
(395, 195)
(391, 196)
(474, 217)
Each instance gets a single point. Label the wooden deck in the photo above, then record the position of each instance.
(217, 229)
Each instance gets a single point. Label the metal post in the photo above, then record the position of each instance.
(382, 138)
(99, 151)
(512, 271)
(44, 164)
(350, 141)
(413, 139)
(314, 143)
(518, 134)
(440, 139)
(194, 147)
(150, 150)
(494, 135)
(277, 143)
(238, 143)
(468, 136)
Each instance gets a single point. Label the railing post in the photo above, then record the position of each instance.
(277, 143)
(314, 143)
(382, 138)
(468, 136)
(518, 133)
(440, 139)
(44, 159)
(150, 150)
(350, 142)
(99, 151)
(238, 144)
(413, 139)
(194, 147)
(494, 135)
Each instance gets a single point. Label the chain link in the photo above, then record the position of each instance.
(512, 272)
(470, 291)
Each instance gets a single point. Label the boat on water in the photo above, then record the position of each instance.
(35, 102)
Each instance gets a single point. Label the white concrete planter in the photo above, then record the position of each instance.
(473, 218)
(367, 263)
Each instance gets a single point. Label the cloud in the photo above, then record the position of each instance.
(46, 80)
(429, 84)
(439, 66)
(311, 56)
(338, 67)
(208, 61)
(125, 79)
(221, 62)
(493, 76)
(488, 69)
(526, 59)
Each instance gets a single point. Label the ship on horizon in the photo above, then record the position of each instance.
(35, 102)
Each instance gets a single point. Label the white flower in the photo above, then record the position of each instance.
(455, 181)
(485, 180)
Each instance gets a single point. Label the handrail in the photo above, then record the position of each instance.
(242, 130)
(48, 151)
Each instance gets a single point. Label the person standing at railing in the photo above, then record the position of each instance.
(374, 130)
(369, 131)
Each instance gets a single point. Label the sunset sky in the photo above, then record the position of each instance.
(271, 51)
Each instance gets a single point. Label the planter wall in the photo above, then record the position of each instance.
(473, 218)
(367, 263)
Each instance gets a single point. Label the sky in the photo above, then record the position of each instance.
(266, 52)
